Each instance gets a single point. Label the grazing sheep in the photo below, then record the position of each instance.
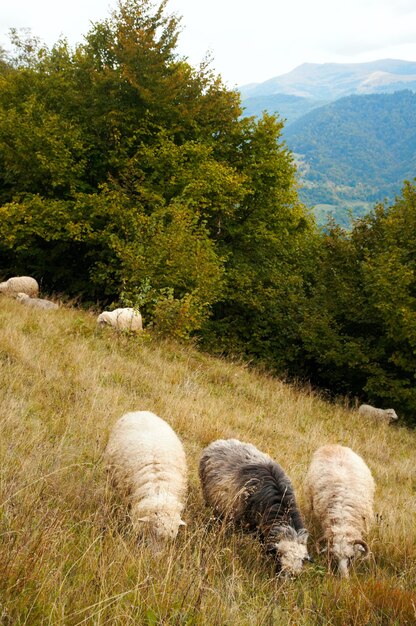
(37, 303)
(20, 284)
(246, 486)
(122, 319)
(341, 491)
(386, 415)
(148, 467)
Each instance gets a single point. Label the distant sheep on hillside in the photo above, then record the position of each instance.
(122, 319)
(148, 467)
(20, 284)
(246, 486)
(341, 492)
(385, 415)
(36, 303)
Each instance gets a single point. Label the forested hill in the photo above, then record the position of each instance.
(358, 148)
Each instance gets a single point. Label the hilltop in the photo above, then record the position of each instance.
(66, 559)
(330, 81)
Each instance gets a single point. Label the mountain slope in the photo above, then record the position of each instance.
(289, 108)
(359, 147)
(67, 554)
(329, 81)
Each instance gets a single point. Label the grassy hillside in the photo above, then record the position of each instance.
(66, 557)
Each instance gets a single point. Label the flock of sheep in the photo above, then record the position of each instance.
(25, 290)
(243, 485)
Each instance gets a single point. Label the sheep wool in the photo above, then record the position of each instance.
(148, 467)
(35, 303)
(20, 284)
(385, 415)
(122, 319)
(341, 494)
(246, 486)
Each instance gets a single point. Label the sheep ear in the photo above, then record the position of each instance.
(143, 519)
(286, 532)
(182, 523)
(270, 548)
(303, 536)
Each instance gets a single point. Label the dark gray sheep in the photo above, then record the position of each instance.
(246, 486)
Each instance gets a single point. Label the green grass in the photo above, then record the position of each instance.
(67, 557)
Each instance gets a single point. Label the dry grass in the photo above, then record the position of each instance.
(65, 556)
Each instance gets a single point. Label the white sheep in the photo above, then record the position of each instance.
(20, 284)
(36, 303)
(385, 415)
(148, 467)
(122, 319)
(247, 487)
(341, 493)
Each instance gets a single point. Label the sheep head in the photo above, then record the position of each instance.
(391, 415)
(289, 548)
(163, 526)
(343, 552)
(103, 319)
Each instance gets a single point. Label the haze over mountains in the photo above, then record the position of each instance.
(354, 144)
(329, 81)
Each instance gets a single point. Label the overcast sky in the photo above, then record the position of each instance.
(249, 41)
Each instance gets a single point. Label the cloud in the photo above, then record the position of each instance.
(369, 30)
(404, 7)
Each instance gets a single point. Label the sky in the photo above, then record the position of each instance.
(249, 42)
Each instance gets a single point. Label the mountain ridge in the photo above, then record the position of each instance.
(329, 81)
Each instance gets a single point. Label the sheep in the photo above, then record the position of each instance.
(37, 303)
(147, 464)
(248, 488)
(20, 284)
(385, 415)
(341, 493)
(122, 319)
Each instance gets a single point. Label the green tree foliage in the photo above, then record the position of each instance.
(269, 244)
(101, 244)
(40, 150)
(126, 174)
(359, 331)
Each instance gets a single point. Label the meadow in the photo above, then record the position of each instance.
(67, 555)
